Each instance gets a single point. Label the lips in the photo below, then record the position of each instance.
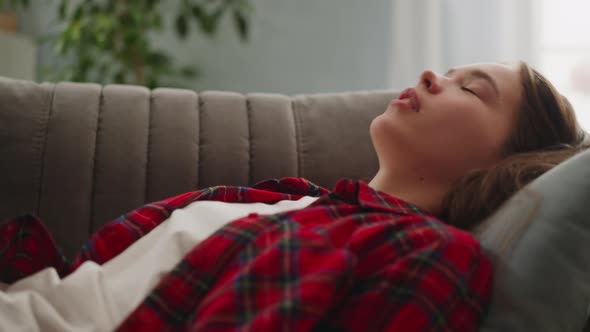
(409, 99)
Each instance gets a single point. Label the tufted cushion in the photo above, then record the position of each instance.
(540, 244)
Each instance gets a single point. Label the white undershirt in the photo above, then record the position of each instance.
(98, 298)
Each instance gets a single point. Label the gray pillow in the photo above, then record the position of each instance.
(539, 242)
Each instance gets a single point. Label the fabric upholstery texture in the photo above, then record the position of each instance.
(540, 243)
(78, 155)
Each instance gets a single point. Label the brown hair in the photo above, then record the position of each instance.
(546, 134)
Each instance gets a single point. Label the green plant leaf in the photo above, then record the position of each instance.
(156, 20)
(78, 13)
(198, 12)
(75, 31)
(109, 40)
(207, 23)
(95, 9)
(119, 77)
(137, 16)
(132, 37)
(158, 59)
(60, 46)
(152, 82)
(63, 9)
(241, 25)
(151, 3)
(181, 26)
(189, 72)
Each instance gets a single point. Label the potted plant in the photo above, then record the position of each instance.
(8, 18)
(108, 41)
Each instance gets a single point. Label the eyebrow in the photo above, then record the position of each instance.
(479, 74)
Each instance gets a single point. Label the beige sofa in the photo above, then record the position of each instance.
(79, 155)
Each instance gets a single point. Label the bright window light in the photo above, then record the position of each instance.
(564, 51)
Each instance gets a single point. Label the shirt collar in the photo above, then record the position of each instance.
(360, 193)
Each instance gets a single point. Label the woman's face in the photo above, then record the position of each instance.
(449, 124)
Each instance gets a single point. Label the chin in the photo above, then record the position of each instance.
(387, 126)
(392, 136)
(385, 134)
(379, 128)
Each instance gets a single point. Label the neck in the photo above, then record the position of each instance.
(425, 193)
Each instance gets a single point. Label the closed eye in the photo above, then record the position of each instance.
(468, 90)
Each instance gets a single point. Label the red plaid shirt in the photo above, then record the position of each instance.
(354, 260)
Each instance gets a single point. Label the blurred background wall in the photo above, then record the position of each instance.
(309, 46)
(295, 47)
(336, 45)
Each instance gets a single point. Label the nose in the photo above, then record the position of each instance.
(431, 81)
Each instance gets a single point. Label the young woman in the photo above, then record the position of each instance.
(393, 254)
(461, 143)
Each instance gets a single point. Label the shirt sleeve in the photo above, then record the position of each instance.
(443, 285)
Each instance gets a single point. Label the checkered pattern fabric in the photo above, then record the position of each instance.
(354, 260)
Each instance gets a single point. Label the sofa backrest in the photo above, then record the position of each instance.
(79, 155)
